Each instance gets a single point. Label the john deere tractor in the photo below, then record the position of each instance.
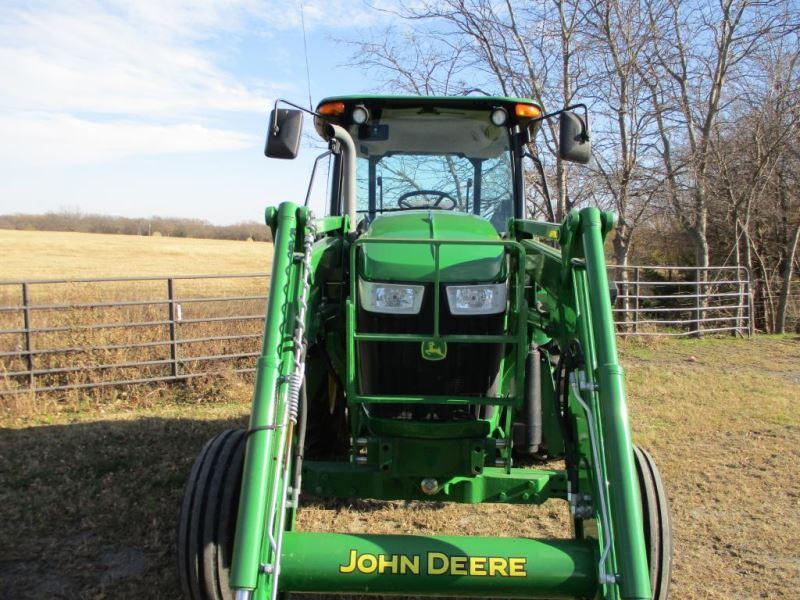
(426, 341)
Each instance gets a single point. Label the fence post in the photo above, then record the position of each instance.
(698, 277)
(636, 300)
(26, 321)
(173, 331)
(751, 324)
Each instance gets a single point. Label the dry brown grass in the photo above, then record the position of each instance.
(43, 255)
(53, 254)
(90, 498)
(91, 348)
(722, 419)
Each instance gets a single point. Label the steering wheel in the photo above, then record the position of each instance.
(403, 202)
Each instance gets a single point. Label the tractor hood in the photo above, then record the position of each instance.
(459, 263)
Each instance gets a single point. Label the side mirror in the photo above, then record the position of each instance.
(283, 135)
(573, 134)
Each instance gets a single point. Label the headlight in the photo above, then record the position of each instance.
(393, 298)
(477, 299)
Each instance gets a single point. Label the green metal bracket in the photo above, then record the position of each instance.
(493, 484)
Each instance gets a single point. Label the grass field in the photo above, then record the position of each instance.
(90, 483)
(53, 254)
(89, 498)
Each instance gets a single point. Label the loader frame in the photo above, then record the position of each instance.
(558, 294)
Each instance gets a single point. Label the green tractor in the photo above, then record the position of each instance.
(421, 338)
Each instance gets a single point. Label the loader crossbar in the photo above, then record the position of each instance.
(437, 565)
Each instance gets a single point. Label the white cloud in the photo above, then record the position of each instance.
(91, 81)
(42, 140)
(90, 58)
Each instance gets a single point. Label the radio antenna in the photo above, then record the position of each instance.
(305, 50)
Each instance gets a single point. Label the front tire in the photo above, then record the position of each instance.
(657, 523)
(207, 521)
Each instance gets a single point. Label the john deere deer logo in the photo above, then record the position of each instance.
(434, 349)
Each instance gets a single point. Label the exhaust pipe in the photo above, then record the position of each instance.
(341, 135)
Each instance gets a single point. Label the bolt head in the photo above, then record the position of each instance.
(429, 486)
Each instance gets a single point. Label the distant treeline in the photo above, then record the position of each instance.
(152, 226)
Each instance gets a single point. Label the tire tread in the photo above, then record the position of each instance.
(208, 511)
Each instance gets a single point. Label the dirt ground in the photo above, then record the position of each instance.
(89, 497)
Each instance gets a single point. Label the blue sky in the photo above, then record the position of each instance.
(159, 107)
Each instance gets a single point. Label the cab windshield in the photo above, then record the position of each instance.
(434, 159)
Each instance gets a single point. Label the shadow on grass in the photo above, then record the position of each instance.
(89, 510)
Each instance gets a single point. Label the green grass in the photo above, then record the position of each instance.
(89, 496)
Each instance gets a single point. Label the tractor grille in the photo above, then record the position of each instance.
(397, 368)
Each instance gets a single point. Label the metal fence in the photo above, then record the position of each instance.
(680, 301)
(59, 335)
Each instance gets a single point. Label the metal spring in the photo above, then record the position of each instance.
(298, 337)
(293, 397)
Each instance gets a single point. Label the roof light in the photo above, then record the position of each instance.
(331, 109)
(360, 114)
(499, 116)
(527, 111)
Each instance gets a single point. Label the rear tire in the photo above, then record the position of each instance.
(657, 523)
(207, 521)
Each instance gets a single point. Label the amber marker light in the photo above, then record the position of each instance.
(527, 111)
(331, 109)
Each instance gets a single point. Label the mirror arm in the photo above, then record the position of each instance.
(274, 127)
(585, 132)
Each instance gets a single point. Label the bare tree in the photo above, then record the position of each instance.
(700, 53)
(526, 50)
(692, 108)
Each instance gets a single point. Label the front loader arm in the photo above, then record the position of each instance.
(575, 310)
(269, 436)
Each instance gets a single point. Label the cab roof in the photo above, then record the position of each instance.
(477, 102)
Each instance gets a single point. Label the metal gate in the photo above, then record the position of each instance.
(680, 301)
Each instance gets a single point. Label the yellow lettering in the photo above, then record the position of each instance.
(458, 565)
(477, 566)
(442, 558)
(351, 565)
(497, 566)
(389, 565)
(516, 567)
(409, 565)
(367, 563)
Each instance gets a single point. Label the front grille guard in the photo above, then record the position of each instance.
(515, 325)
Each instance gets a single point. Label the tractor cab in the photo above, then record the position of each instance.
(460, 155)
